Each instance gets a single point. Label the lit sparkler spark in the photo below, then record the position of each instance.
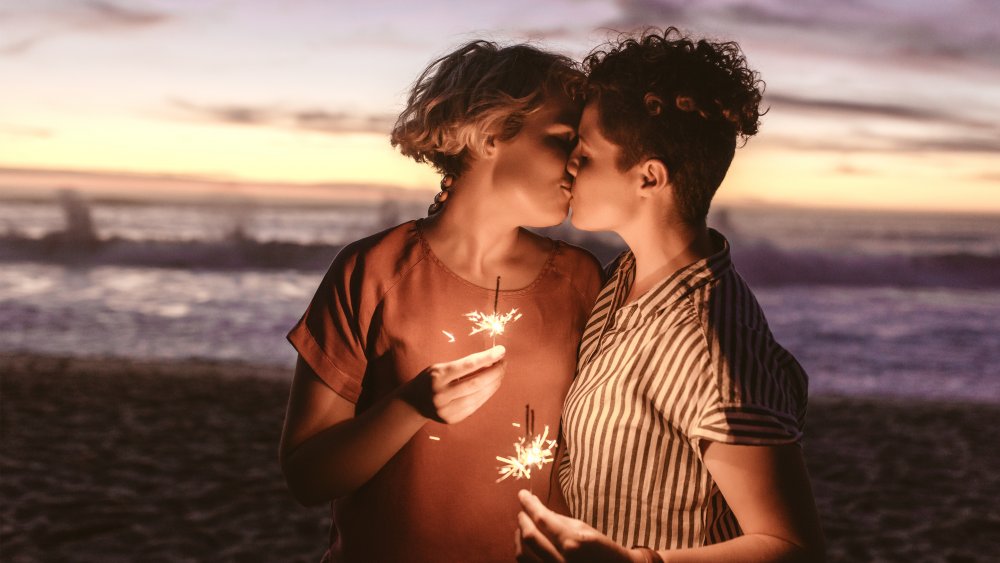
(494, 323)
(451, 337)
(535, 454)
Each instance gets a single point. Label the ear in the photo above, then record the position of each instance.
(489, 146)
(655, 177)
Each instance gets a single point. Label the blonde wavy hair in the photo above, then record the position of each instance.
(478, 91)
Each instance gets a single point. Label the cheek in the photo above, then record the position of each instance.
(599, 191)
(532, 166)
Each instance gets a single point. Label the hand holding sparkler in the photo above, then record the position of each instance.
(544, 535)
(451, 391)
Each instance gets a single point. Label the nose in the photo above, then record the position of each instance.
(573, 164)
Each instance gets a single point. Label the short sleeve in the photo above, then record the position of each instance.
(329, 336)
(753, 392)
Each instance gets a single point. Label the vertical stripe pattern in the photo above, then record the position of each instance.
(691, 359)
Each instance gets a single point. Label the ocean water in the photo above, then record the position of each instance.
(874, 304)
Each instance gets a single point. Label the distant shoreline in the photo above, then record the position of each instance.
(113, 187)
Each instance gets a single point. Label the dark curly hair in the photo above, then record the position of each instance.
(478, 90)
(664, 95)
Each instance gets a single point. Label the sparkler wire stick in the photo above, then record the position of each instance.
(496, 301)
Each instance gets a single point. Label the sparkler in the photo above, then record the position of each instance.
(529, 452)
(494, 323)
(537, 452)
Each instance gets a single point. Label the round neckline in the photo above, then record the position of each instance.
(429, 252)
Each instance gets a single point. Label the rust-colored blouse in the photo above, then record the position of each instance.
(378, 318)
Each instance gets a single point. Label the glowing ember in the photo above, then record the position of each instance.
(451, 337)
(535, 454)
(493, 323)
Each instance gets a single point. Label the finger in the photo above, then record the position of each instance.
(471, 363)
(531, 504)
(501, 363)
(470, 385)
(534, 542)
(461, 408)
(521, 553)
(548, 522)
(473, 401)
(525, 554)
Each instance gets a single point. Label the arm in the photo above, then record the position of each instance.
(326, 451)
(767, 487)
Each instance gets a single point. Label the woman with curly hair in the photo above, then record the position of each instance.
(682, 427)
(396, 412)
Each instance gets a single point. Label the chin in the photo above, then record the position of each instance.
(542, 220)
(557, 216)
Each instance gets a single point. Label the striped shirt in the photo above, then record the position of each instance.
(691, 359)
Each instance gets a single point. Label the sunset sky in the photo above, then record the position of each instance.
(886, 104)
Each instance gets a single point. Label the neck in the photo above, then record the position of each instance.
(661, 250)
(471, 231)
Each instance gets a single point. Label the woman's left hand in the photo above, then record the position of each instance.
(544, 535)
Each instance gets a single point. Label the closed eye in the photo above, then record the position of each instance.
(565, 141)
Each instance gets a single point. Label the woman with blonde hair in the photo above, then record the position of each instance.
(396, 412)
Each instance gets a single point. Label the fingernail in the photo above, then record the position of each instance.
(500, 350)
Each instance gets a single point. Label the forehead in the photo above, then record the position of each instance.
(590, 125)
(557, 109)
(590, 118)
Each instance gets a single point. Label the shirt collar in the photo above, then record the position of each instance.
(676, 286)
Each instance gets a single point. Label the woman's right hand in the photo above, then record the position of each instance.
(449, 392)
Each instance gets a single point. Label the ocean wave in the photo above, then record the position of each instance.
(761, 263)
(234, 253)
(766, 265)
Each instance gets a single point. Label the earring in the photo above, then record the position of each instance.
(442, 195)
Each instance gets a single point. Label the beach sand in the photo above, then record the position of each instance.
(145, 461)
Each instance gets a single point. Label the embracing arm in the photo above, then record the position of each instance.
(326, 451)
(768, 490)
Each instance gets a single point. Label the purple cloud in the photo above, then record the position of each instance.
(874, 109)
(303, 119)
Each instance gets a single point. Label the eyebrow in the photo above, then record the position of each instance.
(566, 122)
